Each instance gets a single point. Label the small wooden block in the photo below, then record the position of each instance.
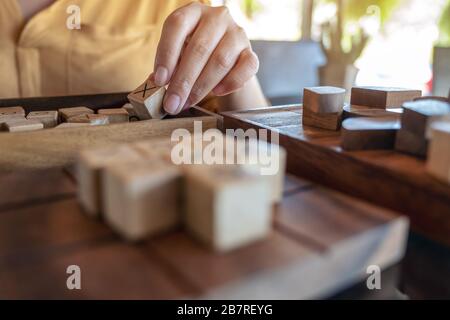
(351, 111)
(324, 99)
(328, 121)
(408, 142)
(148, 101)
(67, 125)
(381, 97)
(6, 118)
(22, 125)
(66, 113)
(418, 116)
(48, 118)
(274, 166)
(133, 115)
(369, 133)
(92, 119)
(9, 111)
(90, 167)
(143, 201)
(117, 115)
(438, 164)
(226, 206)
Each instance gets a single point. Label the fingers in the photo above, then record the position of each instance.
(222, 61)
(178, 26)
(246, 67)
(195, 56)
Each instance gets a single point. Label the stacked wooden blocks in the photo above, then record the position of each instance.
(373, 118)
(13, 119)
(322, 107)
(417, 118)
(140, 193)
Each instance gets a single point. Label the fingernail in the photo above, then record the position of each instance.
(172, 104)
(161, 76)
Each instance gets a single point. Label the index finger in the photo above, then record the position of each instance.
(177, 27)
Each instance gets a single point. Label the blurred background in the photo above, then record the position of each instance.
(401, 43)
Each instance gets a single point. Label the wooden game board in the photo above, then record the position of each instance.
(386, 178)
(49, 148)
(322, 242)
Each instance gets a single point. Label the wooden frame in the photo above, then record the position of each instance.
(388, 178)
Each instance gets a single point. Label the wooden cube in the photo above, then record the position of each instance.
(382, 97)
(411, 143)
(369, 133)
(252, 160)
(10, 111)
(90, 167)
(324, 99)
(117, 115)
(66, 113)
(92, 119)
(147, 100)
(48, 118)
(6, 118)
(328, 121)
(419, 115)
(22, 125)
(226, 206)
(144, 200)
(438, 163)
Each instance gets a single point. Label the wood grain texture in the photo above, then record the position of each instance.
(438, 164)
(324, 99)
(382, 97)
(352, 111)
(48, 148)
(291, 263)
(48, 118)
(369, 133)
(400, 181)
(327, 121)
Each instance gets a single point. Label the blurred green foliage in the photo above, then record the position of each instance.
(353, 10)
(250, 7)
(444, 27)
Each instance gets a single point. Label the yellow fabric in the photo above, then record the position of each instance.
(114, 50)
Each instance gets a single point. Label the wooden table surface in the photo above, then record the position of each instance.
(43, 231)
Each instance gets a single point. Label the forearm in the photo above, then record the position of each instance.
(249, 97)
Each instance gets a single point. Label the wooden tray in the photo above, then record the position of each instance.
(388, 178)
(322, 242)
(49, 148)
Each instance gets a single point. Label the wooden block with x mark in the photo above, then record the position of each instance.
(147, 100)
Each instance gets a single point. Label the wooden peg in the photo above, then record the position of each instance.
(324, 99)
(143, 200)
(381, 97)
(66, 113)
(369, 133)
(92, 119)
(438, 163)
(22, 125)
(226, 206)
(90, 166)
(116, 115)
(48, 118)
(147, 100)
